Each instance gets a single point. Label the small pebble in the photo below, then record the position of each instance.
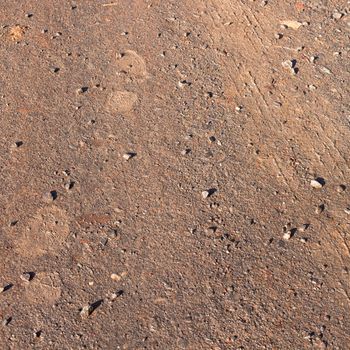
(205, 194)
(116, 295)
(303, 240)
(277, 104)
(214, 205)
(54, 69)
(303, 227)
(294, 71)
(337, 15)
(211, 230)
(317, 183)
(5, 288)
(341, 188)
(113, 233)
(69, 185)
(347, 210)
(115, 277)
(37, 334)
(319, 209)
(287, 227)
(292, 24)
(82, 90)
(6, 321)
(212, 139)
(291, 65)
(239, 108)
(129, 155)
(287, 235)
(208, 193)
(183, 83)
(50, 196)
(104, 241)
(18, 144)
(325, 70)
(287, 64)
(86, 311)
(312, 87)
(185, 151)
(27, 276)
(278, 36)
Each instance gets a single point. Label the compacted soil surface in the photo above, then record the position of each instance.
(174, 174)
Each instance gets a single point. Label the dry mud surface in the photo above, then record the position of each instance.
(174, 174)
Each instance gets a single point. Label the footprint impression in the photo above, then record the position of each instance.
(45, 233)
(134, 66)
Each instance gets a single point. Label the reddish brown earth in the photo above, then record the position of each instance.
(206, 94)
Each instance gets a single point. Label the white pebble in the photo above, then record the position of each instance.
(325, 70)
(86, 311)
(205, 194)
(316, 184)
(115, 277)
(287, 235)
(337, 15)
(312, 87)
(129, 155)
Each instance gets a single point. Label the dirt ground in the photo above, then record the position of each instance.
(174, 174)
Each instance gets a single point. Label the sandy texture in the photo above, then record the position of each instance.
(156, 169)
